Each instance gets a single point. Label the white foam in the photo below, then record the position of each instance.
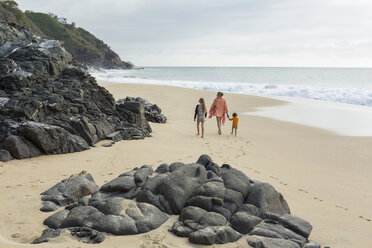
(350, 95)
(343, 119)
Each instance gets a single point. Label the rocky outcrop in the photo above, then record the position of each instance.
(49, 104)
(216, 205)
(152, 111)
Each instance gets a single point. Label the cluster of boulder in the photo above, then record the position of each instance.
(49, 104)
(216, 205)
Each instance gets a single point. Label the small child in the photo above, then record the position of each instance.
(235, 121)
(200, 115)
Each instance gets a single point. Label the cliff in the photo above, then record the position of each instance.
(84, 46)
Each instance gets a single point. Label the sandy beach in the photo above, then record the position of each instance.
(325, 178)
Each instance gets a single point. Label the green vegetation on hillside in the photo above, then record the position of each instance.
(9, 11)
(84, 46)
(77, 41)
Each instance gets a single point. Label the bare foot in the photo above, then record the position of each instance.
(202, 137)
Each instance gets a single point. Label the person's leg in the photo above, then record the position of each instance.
(236, 130)
(232, 130)
(197, 126)
(219, 124)
(202, 129)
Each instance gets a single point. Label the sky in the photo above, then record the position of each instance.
(304, 33)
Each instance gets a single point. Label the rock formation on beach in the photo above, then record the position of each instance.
(216, 205)
(84, 46)
(49, 104)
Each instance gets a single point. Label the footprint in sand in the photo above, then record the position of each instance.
(88, 160)
(342, 208)
(316, 198)
(16, 235)
(257, 172)
(273, 177)
(283, 183)
(302, 190)
(110, 174)
(361, 217)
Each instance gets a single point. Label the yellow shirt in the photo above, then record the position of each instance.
(235, 121)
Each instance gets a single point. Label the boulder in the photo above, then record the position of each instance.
(212, 208)
(122, 183)
(296, 224)
(214, 235)
(243, 222)
(267, 199)
(5, 155)
(262, 242)
(236, 180)
(69, 190)
(282, 231)
(179, 186)
(52, 139)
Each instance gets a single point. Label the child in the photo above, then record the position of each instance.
(200, 115)
(235, 120)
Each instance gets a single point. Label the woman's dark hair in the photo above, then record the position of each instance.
(219, 94)
(235, 114)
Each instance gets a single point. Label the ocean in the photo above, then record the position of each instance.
(343, 85)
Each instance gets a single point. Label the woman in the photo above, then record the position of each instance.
(219, 109)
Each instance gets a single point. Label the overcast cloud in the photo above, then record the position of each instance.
(226, 32)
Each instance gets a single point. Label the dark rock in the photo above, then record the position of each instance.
(204, 160)
(282, 231)
(296, 224)
(87, 234)
(212, 207)
(174, 166)
(152, 111)
(261, 242)
(47, 235)
(70, 190)
(55, 221)
(249, 209)
(312, 244)
(52, 139)
(180, 230)
(179, 186)
(163, 168)
(236, 180)
(116, 136)
(17, 146)
(82, 216)
(108, 144)
(243, 222)
(212, 219)
(142, 174)
(49, 206)
(5, 155)
(53, 105)
(267, 199)
(214, 235)
(122, 183)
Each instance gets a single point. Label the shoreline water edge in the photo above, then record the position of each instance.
(341, 109)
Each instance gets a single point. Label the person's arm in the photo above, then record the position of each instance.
(196, 112)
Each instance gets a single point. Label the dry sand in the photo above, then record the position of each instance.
(326, 178)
